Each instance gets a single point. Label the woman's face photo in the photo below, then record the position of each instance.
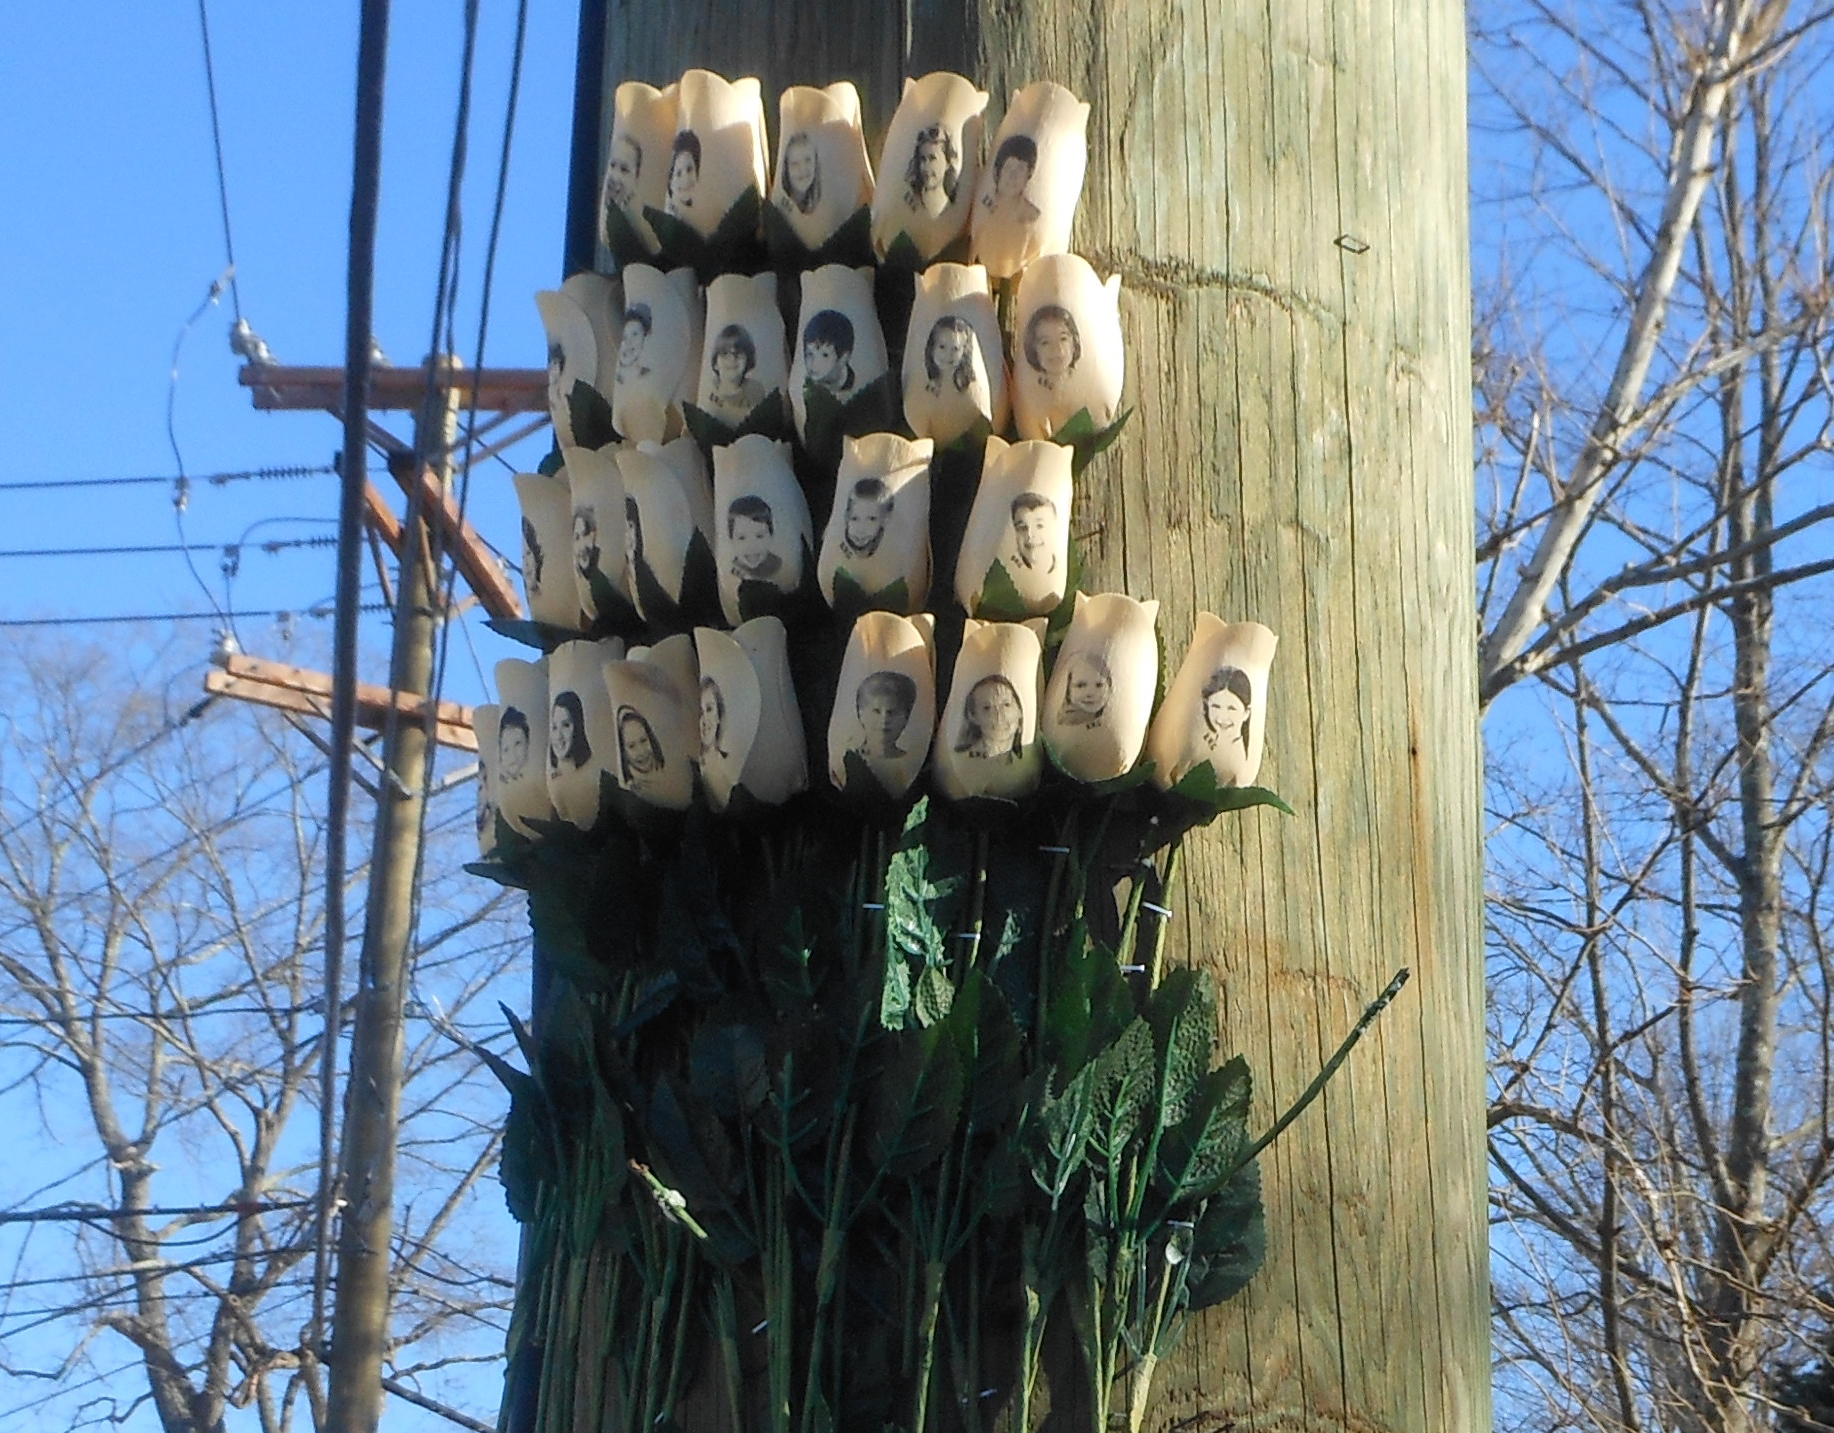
(947, 345)
(585, 543)
(709, 718)
(1087, 690)
(993, 707)
(1054, 342)
(560, 733)
(640, 755)
(1223, 714)
(557, 360)
(684, 174)
(798, 166)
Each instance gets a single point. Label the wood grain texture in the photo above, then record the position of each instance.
(1282, 187)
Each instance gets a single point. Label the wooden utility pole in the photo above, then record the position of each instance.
(1282, 189)
(409, 719)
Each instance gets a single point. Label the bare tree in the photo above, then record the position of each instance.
(161, 993)
(1654, 378)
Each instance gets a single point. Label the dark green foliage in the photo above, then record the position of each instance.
(851, 244)
(874, 409)
(590, 415)
(732, 248)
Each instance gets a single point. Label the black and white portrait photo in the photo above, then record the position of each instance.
(568, 748)
(684, 173)
(934, 171)
(732, 359)
(883, 702)
(1053, 347)
(992, 720)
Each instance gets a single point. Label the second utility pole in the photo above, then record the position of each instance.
(372, 1102)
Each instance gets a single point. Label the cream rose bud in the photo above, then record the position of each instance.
(954, 369)
(598, 511)
(580, 736)
(1100, 696)
(655, 365)
(1020, 519)
(581, 322)
(718, 150)
(840, 347)
(547, 547)
(879, 527)
(486, 720)
(667, 500)
(1216, 708)
(643, 127)
(519, 775)
(750, 726)
(885, 705)
(1028, 192)
(1070, 354)
(654, 705)
(823, 175)
(745, 350)
(988, 742)
(762, 525)
(928, 168)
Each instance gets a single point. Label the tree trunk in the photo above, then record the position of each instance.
(1282, 189)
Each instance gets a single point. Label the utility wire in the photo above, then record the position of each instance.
(320, 612)
(275, 545)
(169, 479)
(216, 139)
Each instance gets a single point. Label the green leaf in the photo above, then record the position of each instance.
(551, 464)
(732, 247)
(1201, 1151)
(1057, 1136)
(1229, 1242)
(726, 1066)
(915, 1098)
(1123, 1090)
(1086, 440)
(1182, 1013)
(903, 253)
(826, 419)
(934, 995)
(1058, 623)
(590, 415)
(851, 599)
(1000, 600)
(851, 244)
(895, 993)
(542, 636)
(1199, 785)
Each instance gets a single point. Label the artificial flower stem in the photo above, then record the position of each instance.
(1156, 961)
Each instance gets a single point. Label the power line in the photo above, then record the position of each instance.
(229, 549)
(169, 479)
(216, 139)
(318, 613)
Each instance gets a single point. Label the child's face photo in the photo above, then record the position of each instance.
(1032, 530)
(709, 719)
(932, 164)
(512, 752)
(822, 362)
(994, 708)
(621, 185)
(946, 348)
(1087, 691)
(751, 543)
(865, 522)
(799, 165)
(1014, 175)
(729, 368)
(684, 174)
(1223, 714)
(883, 718)
(630, 346)
(1056, 348)
(560, 733)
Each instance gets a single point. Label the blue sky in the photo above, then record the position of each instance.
(112, 237)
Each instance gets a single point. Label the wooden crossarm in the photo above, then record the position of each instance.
(308, 693)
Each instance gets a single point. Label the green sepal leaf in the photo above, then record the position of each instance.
(770, 418)
(851, 599)
(827, 419)
(615, 614)
(590, 414)
(1000, 600)
(851, 244)
(903, 253)
(552, 464)
(1200, 786)
(732, 247)
(1087, 441)
(542, 636)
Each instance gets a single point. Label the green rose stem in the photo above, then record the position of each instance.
(965, 959)
(1155, 961)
